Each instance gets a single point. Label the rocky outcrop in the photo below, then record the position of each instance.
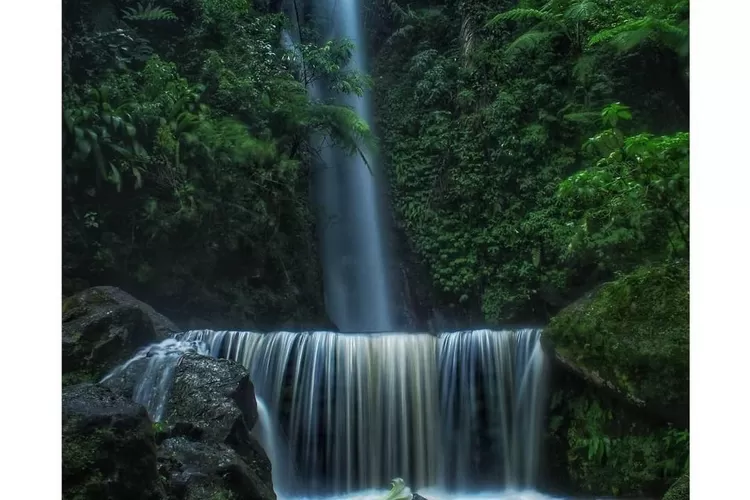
(163, 326)
(680, 490)
(202, 450)
(618, 413)
(101, 327)
(108, 447)
(198, 470)
(216, 400)
(631, 337)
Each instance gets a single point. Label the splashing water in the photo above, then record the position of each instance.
(152, 369)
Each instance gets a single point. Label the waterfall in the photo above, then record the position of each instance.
(461, 411)
(348, 196)
(152, 368)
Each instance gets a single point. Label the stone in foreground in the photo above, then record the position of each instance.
(108, 448)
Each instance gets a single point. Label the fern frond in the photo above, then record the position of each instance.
(530, 41)
(399, 33)
(582, 10)
(520, 15)
(630, 34)
(148, 13)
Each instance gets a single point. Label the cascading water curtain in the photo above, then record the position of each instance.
(461, 411)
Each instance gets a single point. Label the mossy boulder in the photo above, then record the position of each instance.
(680, 490)
(108, 448)
(632, 336)
(101, 327)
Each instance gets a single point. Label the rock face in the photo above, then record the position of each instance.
(680, 490)
(108, 447)
(202, 450)
(619, 406)
(102, 326)
(213, 402)
(163, 326)
(632, 336)
(199, 470)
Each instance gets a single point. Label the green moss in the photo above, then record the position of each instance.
(608, 450)
(99, 460)
(680, 490)
(634, 332)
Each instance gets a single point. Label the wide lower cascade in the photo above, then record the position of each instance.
(344, 412)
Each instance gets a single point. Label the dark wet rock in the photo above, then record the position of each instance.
(206, 470)
(99, 331)
(213, 400)
(680, 490)
(213, 394)
(163, 326)
(108, 448)
(123, 381)
(416, 496)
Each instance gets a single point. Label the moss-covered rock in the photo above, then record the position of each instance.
(680, 490)
(633, 335)
(101, 327)
(108, 448)
(619, 408)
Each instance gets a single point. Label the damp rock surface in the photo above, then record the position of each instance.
(198, 470)
(215, 400)
(213, 394)
(108, 448)
(632, 336)
(680, 490)
(101, 328)
(617, 421)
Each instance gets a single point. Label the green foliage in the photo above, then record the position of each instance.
(634, 332)
(665, 23)
(632, 204)
(611, 453)
(482, 144)
(186, 154)
(148, 13)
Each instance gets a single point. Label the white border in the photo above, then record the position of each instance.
(30, 207)
(720, 188)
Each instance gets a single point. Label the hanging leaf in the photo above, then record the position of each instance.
(115, 177)
(138, 178)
